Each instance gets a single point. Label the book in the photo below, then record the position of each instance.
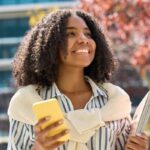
(142, 113)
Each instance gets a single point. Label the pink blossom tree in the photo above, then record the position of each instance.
(127, 26)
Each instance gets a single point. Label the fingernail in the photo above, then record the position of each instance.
(67, 131)
(38, 129)
(138, 134)
(60, 121)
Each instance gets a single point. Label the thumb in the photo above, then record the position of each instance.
(133, 128)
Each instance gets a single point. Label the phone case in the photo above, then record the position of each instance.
(50, 108)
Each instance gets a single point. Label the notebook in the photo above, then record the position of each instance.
(142, 113)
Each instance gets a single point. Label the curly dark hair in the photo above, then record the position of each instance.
(37, 59)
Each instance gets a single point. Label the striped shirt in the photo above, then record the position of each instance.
(112, 136)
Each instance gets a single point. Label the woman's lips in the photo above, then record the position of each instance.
(81, 51)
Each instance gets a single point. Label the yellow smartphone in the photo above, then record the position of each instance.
(50, 108)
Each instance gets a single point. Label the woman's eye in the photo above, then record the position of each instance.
(88, 34)
(71, 34)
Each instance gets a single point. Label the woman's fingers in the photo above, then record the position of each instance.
(133, 128)
(38, 125)
(44, 133)
(137, 139)
(59, 135)
(52, 140)
(42, 136)
(144, 136)
(55, 145)
(134, 146)
(137, 142)
(53, 125)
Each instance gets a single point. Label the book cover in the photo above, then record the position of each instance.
(142, 113)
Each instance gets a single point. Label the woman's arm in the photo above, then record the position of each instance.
(21, 136)
(124, 130)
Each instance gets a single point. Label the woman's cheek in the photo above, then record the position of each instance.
(70, 44)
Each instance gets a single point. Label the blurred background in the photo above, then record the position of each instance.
(126, 23)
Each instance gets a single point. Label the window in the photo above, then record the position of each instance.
(6, 2)
(6, 79)
(9, 2)
(13, 27)
(8, 51)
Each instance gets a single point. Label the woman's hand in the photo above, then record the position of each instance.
(42, 141)
(137, 141)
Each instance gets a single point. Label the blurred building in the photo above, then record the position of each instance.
(14, 23)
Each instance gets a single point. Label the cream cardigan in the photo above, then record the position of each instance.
(118, 107)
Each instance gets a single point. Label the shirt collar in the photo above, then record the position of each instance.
(56, 90)
(96, 89)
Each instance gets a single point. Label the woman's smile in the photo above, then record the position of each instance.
(82, 51)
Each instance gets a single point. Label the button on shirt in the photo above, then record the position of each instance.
(112, 136)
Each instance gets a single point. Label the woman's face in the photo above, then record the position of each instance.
(80, 45)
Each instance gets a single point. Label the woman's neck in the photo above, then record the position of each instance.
(71, 81)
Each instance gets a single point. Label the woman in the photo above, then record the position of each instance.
(67, 57)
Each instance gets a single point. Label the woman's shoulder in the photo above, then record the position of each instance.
(21, 95)
(118, 101)
(116, 94)
(114, 90)
(20, 105)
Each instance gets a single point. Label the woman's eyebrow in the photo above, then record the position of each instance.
(74, 28)
(71, 28)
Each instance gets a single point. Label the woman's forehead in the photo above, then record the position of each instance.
(76, 21)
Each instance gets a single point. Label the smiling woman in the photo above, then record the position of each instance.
(66, 56)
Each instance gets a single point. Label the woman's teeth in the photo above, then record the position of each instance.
(82, 51)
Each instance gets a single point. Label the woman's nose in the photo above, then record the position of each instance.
(83, 38)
